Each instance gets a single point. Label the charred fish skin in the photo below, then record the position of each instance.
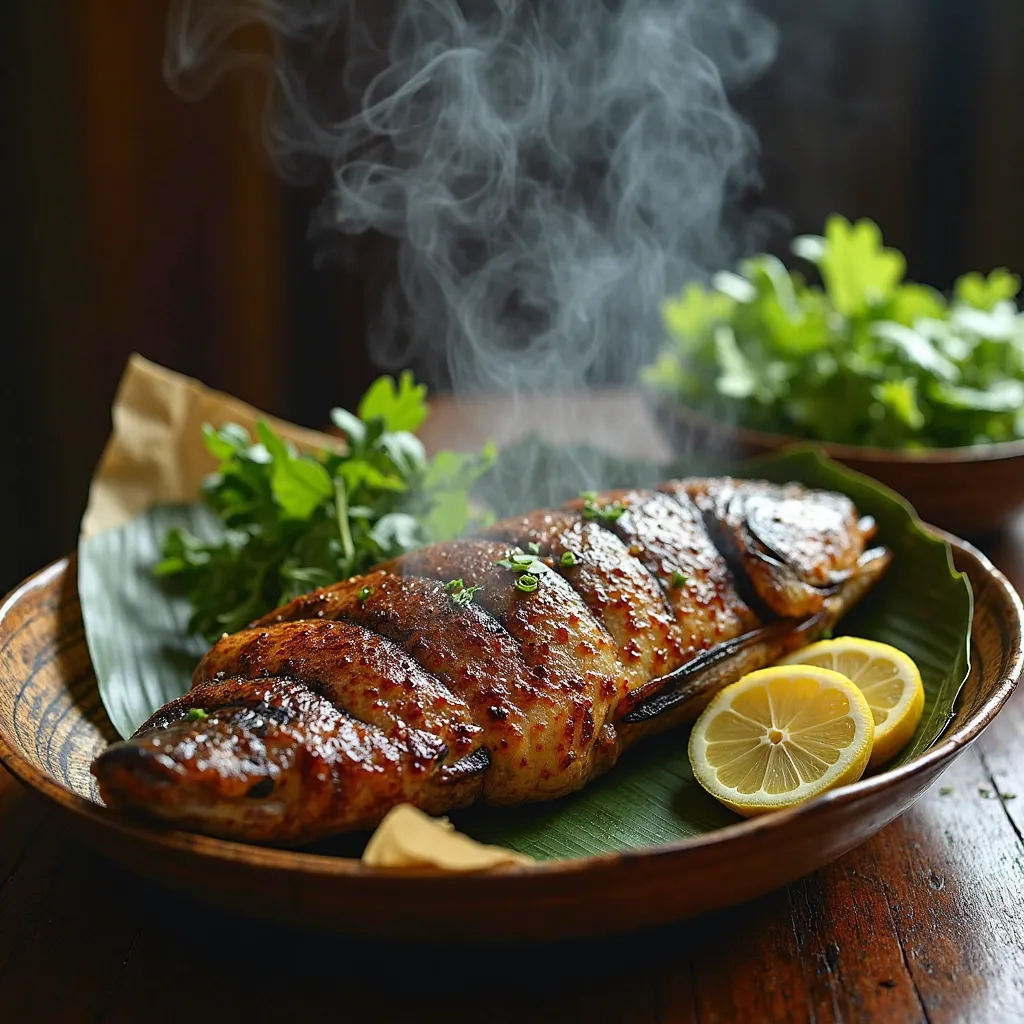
(273, 761)
(573, 668)
(794, 545)
(666, 533)
(679, 697)
(389, 688)
(364, 674)
(619, 591)
(520, 705)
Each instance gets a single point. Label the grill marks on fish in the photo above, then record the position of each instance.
(666, 533)
(519, 705)
(321, 770)
(619, 591)
(794, 546)
(574, 674)
(384, 689)
(364, 674)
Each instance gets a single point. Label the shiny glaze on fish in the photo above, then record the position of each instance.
(384, 689)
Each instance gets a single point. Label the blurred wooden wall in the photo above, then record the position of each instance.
(905, 111)
(142, 223)
(995, 223)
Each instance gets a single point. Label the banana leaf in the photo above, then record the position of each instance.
(143, 656)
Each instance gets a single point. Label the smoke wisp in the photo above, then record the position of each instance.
(549, 169)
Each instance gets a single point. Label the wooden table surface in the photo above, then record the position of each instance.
(922, 923)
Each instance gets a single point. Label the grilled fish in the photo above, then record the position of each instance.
(510, 667)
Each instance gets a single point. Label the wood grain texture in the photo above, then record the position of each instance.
(52, 726)
(138, 222)
(899, 929)
(922, 922)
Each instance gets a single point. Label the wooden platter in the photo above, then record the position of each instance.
(52, 724)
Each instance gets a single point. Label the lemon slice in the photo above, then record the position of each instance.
(780, 736)
(887, 677)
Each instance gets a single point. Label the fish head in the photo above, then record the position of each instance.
(226, 772)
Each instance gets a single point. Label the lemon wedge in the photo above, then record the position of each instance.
(887, 677)
(780, 736)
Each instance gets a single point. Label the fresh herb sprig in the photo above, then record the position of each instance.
(529, 570)
(522, 563)
(609, 513)
(867, 358)
(461, 595)
(293, 522)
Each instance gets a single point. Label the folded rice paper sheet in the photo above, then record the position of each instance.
(408, 838)
(156, 453)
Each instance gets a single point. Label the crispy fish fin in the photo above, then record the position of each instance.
(681, 695)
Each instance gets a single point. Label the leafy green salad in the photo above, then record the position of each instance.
(293, 522)
(865, 358)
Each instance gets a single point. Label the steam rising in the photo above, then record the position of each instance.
(550, 169)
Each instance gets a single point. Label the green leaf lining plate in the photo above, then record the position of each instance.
(143, 657)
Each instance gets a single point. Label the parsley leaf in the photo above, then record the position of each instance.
(987, 292)
(293, 522)
(858, 272)
(299, 484)
(401, 408)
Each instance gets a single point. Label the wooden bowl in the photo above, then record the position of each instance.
(52, 725)
(968, 491)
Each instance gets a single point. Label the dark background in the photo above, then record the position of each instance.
(134, 221)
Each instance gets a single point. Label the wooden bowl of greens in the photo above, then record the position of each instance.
(922, 392)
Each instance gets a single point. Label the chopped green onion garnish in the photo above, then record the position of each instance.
(533, 547)
(678, 578)
(608, 513)
(527, 583)
(522, 563)
(196, 715)
(364, 593)
(588, 495)
(460, 593)
(569, 559)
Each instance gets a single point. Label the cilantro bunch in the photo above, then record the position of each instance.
(292, 522)
(868, 358)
